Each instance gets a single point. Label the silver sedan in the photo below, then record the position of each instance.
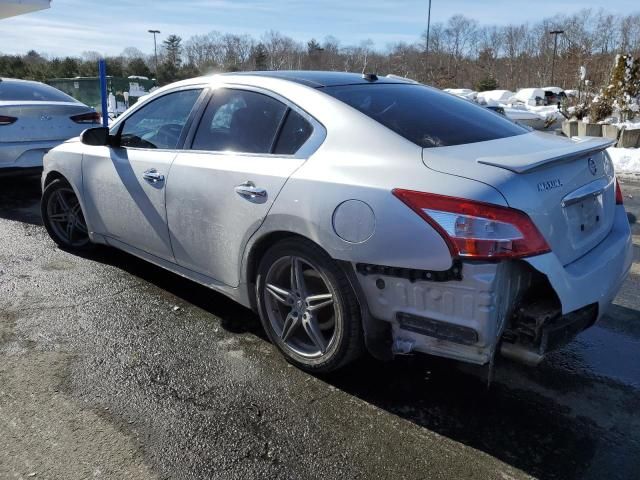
(354, 212)
(34, 118)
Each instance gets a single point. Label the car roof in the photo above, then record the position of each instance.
(321, 79)
(18, 80)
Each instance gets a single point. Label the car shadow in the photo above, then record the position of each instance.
(20, 199)
(233, 317)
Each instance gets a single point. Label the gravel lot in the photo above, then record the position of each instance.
(113, 368)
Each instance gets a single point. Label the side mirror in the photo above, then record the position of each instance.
(98, 136)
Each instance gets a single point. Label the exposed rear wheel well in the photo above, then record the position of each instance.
(51, 176)
(259, 249)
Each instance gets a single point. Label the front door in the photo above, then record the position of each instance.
(124, 187)
(244, 150)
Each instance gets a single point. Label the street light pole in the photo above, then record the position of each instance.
(426, 57)
(155, 49)
(555, 33)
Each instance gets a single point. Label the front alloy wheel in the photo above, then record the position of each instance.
(63, 217)
(308, 307)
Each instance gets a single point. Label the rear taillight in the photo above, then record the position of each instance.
(619, 198)
(5, 120)
(477, 230)
(91, 117)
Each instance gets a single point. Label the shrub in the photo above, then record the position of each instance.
(601, 108)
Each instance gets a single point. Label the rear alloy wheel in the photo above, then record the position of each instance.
(62, 216)
(308, 307)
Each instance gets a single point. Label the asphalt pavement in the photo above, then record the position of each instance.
(114, 368)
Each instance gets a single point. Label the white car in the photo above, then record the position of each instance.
(354, 211)
(34, 118)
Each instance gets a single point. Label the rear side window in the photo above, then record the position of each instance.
(295, 131)
(32, 92)
(239, 121)
(426, 116)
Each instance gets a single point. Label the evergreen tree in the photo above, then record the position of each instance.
(169, 69)
(138, 67)
(486, 84)
(314, 52)
(621, 95)
(624, 88)
(259, 57)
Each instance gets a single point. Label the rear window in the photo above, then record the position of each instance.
(31, 92)
(426, 116)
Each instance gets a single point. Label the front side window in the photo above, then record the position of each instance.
(159, 124)
(426, 116)
(239, 121)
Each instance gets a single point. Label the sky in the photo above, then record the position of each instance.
(109, 26)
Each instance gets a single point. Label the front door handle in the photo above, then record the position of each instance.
(250, 191)
(152, 176)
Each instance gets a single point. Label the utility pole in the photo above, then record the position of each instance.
(426, 56)
(155, 49)
(555, 33)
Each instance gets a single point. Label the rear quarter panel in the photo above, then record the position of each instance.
(362, 160)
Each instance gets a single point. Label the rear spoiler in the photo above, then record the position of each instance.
(525, 163)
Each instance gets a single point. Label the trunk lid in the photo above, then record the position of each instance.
(41, 121)
(566, 186)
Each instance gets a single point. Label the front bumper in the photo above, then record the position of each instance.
(595, 277)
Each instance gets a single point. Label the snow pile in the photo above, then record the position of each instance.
(529, 96)
(629, 124)
(462, 92)
(521, 107)
(556, 90)
(498, 96)
(625, 160)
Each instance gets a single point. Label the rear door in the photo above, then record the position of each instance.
(124, 187)
(245, 148)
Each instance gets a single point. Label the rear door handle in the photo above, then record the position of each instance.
(152, 176)
(249, 190)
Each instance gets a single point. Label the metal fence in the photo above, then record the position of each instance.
(123, 92)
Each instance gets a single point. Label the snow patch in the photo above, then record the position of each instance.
(625, 160)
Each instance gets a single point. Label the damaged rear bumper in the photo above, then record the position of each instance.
(460, 318)
(528, 307)
(595, 277)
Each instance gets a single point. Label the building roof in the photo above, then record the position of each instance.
(11, 8)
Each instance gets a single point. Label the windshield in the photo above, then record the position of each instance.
(31, 92)
(426, 116)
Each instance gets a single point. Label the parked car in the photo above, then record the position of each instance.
(354, 211)
(34, 118)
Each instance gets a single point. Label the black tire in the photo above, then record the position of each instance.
(346, 342)
(50, 208)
